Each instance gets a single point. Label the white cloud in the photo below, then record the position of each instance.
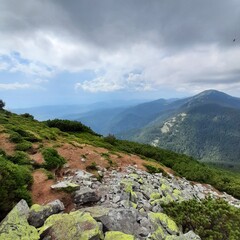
(14, 86)
(135, 62)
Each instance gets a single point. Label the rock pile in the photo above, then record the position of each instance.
(124, 205)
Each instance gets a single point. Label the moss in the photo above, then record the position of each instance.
(115, 235)
(164, 220)
(75, 225)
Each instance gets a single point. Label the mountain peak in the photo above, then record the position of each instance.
(211, 92)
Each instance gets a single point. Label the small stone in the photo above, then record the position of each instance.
(116, 199)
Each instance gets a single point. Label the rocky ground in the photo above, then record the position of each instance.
(117, 205)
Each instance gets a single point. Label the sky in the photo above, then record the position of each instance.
(83, 51)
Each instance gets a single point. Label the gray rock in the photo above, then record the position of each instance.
(15, 224)
(187, 236)
(116, 199)
(86, 195)
(38, 214)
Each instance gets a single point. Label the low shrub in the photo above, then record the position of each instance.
(210, 219)
(15, 137)
(69, 126)
(15, 181)
(20, 158)
(153, 169)
(92, 167)
(52, 159)
(110, 139)
(23, 146)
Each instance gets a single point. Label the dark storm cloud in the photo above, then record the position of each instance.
(109, 23)
(180, 44)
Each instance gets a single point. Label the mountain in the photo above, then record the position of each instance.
(73, 111)
(117, 120)
(76, 182)
(205, 126)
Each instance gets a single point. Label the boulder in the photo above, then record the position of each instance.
(115, 235)
(65, 186)
(75, 226)
(97, 212)
(15, 224)
(86, 195)
(163, 224)
(38, 214)
(124, 220)
(187, 236)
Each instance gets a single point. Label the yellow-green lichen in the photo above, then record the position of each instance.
(134, 205)
(96, 211)
(115, 235)
(158, 234)
(164, 187)
(128, 185)
(165, 221)
(155, 195)
(15, 226)
(74, 226)
(134, 175)
(38, 208)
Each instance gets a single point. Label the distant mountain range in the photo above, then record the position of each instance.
(205, 126)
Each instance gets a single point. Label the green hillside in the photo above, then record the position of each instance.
(206, 126)
(29, 135)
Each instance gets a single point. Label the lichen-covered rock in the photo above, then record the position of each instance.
(187, 236)
(65, 186)
(163, 221)
(97, 212)
(38, 214)
(86, 195)
(115, 235)
(75, 226)
(124, 220)
(15, 225)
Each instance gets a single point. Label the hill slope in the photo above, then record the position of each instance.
(40, 164)
(205, 126)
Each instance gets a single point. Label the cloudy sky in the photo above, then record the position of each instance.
(77, 51)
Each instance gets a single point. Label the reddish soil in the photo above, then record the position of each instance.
(37, 157)
(90, 154)
(42, 192)
(6, 145)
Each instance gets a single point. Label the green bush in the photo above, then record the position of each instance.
(210, 219)
(185, 166)
(153, 169)
(23, 146)
(15, 181)
(69, 126)
(110, 139)
(52, 159)
(92, 167)
(20, 158)
(26, 135)
(15, 137)
(27, 115)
